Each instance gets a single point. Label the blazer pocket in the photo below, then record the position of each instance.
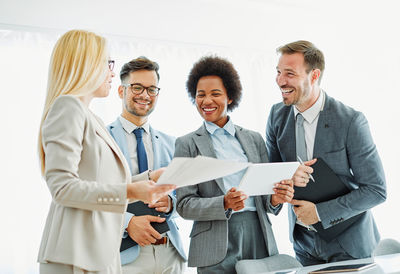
(199, 227)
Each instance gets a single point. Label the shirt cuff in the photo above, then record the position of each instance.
(128, 216)
(316, 211)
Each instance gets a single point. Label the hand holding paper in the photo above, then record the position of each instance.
(284, 192)
(234, 199)
(260, 179)
(184, 171)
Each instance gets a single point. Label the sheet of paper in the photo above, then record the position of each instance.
(184, 171)
(259, 179)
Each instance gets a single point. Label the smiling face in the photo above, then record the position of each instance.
(212, 100)
(296, 85)
(137, 107)
(104, 89)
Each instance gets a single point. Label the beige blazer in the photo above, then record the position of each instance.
(87, 175)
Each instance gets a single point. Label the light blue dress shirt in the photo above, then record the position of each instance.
(227, 147)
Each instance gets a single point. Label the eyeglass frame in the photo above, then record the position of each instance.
(143, 88)
(111, 64)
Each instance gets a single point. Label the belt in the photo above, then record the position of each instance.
(161, 241)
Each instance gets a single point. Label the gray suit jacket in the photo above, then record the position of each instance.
(344, 141)
(204, 203)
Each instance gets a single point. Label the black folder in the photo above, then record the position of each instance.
(140, 209)
(327, 186)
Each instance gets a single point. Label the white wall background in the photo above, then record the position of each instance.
(360, 40)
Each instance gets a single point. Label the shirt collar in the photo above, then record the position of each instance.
(312, 113)
(229, 127)
(129, 127)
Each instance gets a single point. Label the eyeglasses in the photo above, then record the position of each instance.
(111, 64)
(137, 89)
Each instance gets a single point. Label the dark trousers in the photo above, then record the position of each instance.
(311, 249)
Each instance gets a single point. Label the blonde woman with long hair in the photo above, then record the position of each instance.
(87, 174)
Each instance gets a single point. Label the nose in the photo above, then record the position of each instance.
(280, 80)
(207, 99)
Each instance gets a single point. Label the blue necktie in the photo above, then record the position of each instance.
(141, 151)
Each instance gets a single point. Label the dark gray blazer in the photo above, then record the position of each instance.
(344, 141)
(204, 203)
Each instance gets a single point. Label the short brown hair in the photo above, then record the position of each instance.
(313, 57)
(139, 63)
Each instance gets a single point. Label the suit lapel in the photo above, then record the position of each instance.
(102, 132)
(324, 132)
(203, 142)
(248, 146)
(156, 145)
(117, 133)
(287, 141)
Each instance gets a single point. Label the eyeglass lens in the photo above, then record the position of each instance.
(111, 64)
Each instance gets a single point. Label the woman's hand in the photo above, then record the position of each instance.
(148, 191)
(234, 199)
(154, 175)
(284, 192)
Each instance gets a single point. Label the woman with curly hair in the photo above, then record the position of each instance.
(228, 225)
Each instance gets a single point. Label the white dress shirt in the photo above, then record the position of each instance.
(129, 127)
(311, 117)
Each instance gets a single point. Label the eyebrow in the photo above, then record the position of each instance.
(286, 69)
(202, 90)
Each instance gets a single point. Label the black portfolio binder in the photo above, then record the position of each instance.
(140, 209)
(327, 186)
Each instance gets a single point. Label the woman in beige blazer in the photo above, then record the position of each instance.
(86, 173)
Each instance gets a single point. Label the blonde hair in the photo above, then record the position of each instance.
(78, 66)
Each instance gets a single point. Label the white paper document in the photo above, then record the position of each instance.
(259, 179)
(184, 171)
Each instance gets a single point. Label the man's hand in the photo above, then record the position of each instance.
(163, 205)
(234, 199)
(141, 231)
(284, 192)
(305, 211)
(302, 175)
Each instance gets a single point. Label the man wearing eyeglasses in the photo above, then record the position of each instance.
(146, 149)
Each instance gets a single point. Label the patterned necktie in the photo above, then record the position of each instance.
(301, 147)
(141, 151)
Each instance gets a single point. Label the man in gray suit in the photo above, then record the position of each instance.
(338, 134)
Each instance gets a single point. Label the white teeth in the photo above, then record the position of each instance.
(142, 103)
(209, 109)
(287, 91)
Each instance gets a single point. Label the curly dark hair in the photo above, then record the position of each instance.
(216, 66)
